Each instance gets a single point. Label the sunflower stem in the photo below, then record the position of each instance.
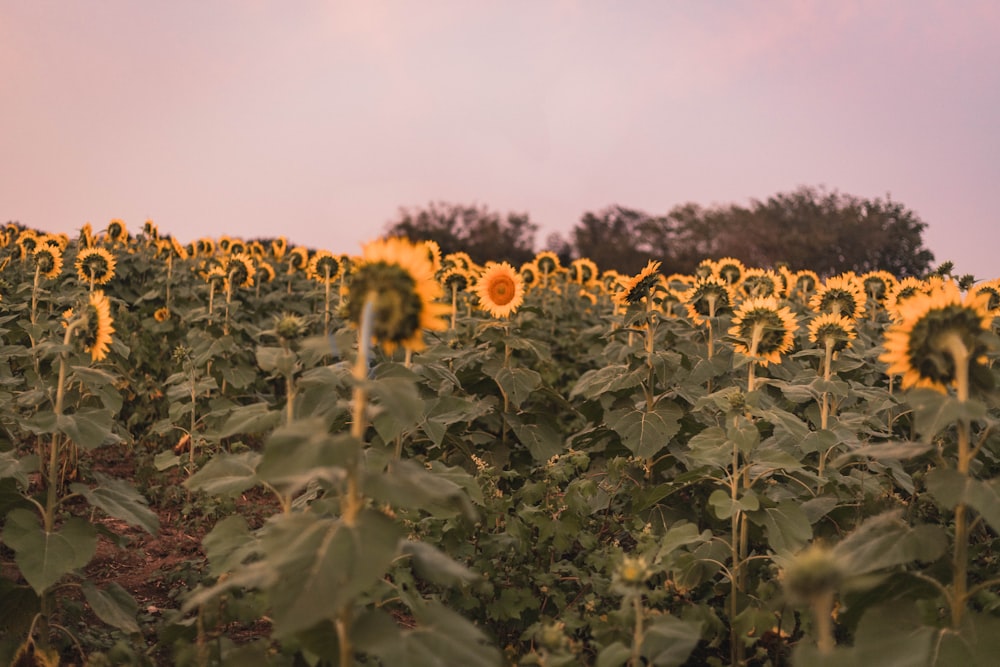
(637, 631)
(961, 358)
(353, 499)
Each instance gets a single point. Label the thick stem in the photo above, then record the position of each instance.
(822, 608)
(353, 500)
(960, 558)
(637, 631)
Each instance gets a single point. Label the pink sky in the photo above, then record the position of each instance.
(318, 120)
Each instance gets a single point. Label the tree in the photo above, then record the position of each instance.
(485, 235)
(611, 238)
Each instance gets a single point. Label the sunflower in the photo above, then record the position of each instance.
(761, 283)
(459, 259)
(805, 283)
(27, 241)
(205, 247)
(237, 247)
(877, 284)
(763, 330)
(547, 262)
(49, 261)
(162, 314)
(935, 334)
(98, 325)
(709, 297)
(500, 289)
(86, 238)
(992, 288)
(215, 276)
(95, 265)
(456, 279)
(323, 267)
(583, 271)
(637, 287)
(832, 328)
(705, 268)
(530, 275)
(278, 248)
(840, 295)
(298, 259)
(117, 232)
(903, 291)
(730, 269)
(150, 230)
(398, 278)
(433, 253)
(224, 243)
(265, 271)
(240, 269)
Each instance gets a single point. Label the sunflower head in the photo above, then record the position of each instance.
(278, 248)
(396, 276)
(459, 259)
(95, 265)
(992, 290)
(761, 283)
(456, 278)
(240, 270)
(530, 275)
(841, 295)
(837, 330)
(49, 261)
(708, 298)
(730, 269)
(162, 314)
(763, 330)
(877, 284)
(265, 271)
(547, 262)
(903, 291)
(935, 332)
(150, 230)
(96, 324)
(583, 271)
(323, 267)
(298, 259)
(638, 287)
(204, 247)
(705, 268)
(433, 251)
(500, 289)
(117, 232)
(290, 326)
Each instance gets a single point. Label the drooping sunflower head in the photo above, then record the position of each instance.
(278, 248)
(86, 238)
(456, 278)
(162, 314)
(459, 259)
(761, 283)
(992, 290)
(583, 271)
(637, 287)
(298, 259)
(841, 295)
(49, 261)
(224, 243)
(709, 297)
(240, 270)
(832, 328)
(117, 232)
(805, 283)
(396, 276)
(935, 330)
(530, 275)
(216, 276)
(323, 267)
(500, 289)
(877, 284)
(95, 265)
(265, 271)
(27, 241)
(237, 247)
(730, 269)
(433, 251)
(97, 326)
(150, 230)
(706, 268)
(903, 291)
(763, 330)
(547, 262)
(204, 247)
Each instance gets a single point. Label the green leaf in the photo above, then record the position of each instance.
(934, 411)
(229, 544)
(950, 487)
(238, 377)
(435, 566)
(44, 557)
(721, 500)
(787, 526)
(120, 500)
(11, 466)
(594, 383)
(517, 384)
(711, 447)
(615, 654)
(276, 359)
(884, 541)
(396, 405)
(253, 418)
(303, 451)
(818, 441)
(407, 485)
(646, 433)
(323, 564)
(538, 434)
(678, 536)
(88, 427)
(113, 605)
(668, 641)
(226, 474)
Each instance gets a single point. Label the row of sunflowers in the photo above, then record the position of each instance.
(487, 464)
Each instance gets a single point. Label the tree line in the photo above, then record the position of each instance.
(808, 228)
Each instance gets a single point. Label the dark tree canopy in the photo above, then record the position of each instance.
(829, 233)
(485, 235)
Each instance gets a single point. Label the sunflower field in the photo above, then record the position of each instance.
(398, 458)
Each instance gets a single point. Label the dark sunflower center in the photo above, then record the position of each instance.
(927, 354)
(501, 290)
(397, 305)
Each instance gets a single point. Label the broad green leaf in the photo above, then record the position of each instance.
(934, 411)
(435, 566)
(786, 525)
(818, 441)
(678, 536)
(517, 384)
(396, 405)
(407, 485)
(599, 381)
(253, 418)
(226, 474)
(722, 502)
(950, 487)
(303, 451)
(448, 410)
(711, 447)
(11, 465)
(275, 359)
(45, 557)
(885, 540)
(120, 500)
(744, 434)
(785, 423)
(229, 544)
(324, 564)
(541, 438)
(88, 427)
(615, 654)
(647, 433)
(238, 377)
(113, 605)
(668, 641)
